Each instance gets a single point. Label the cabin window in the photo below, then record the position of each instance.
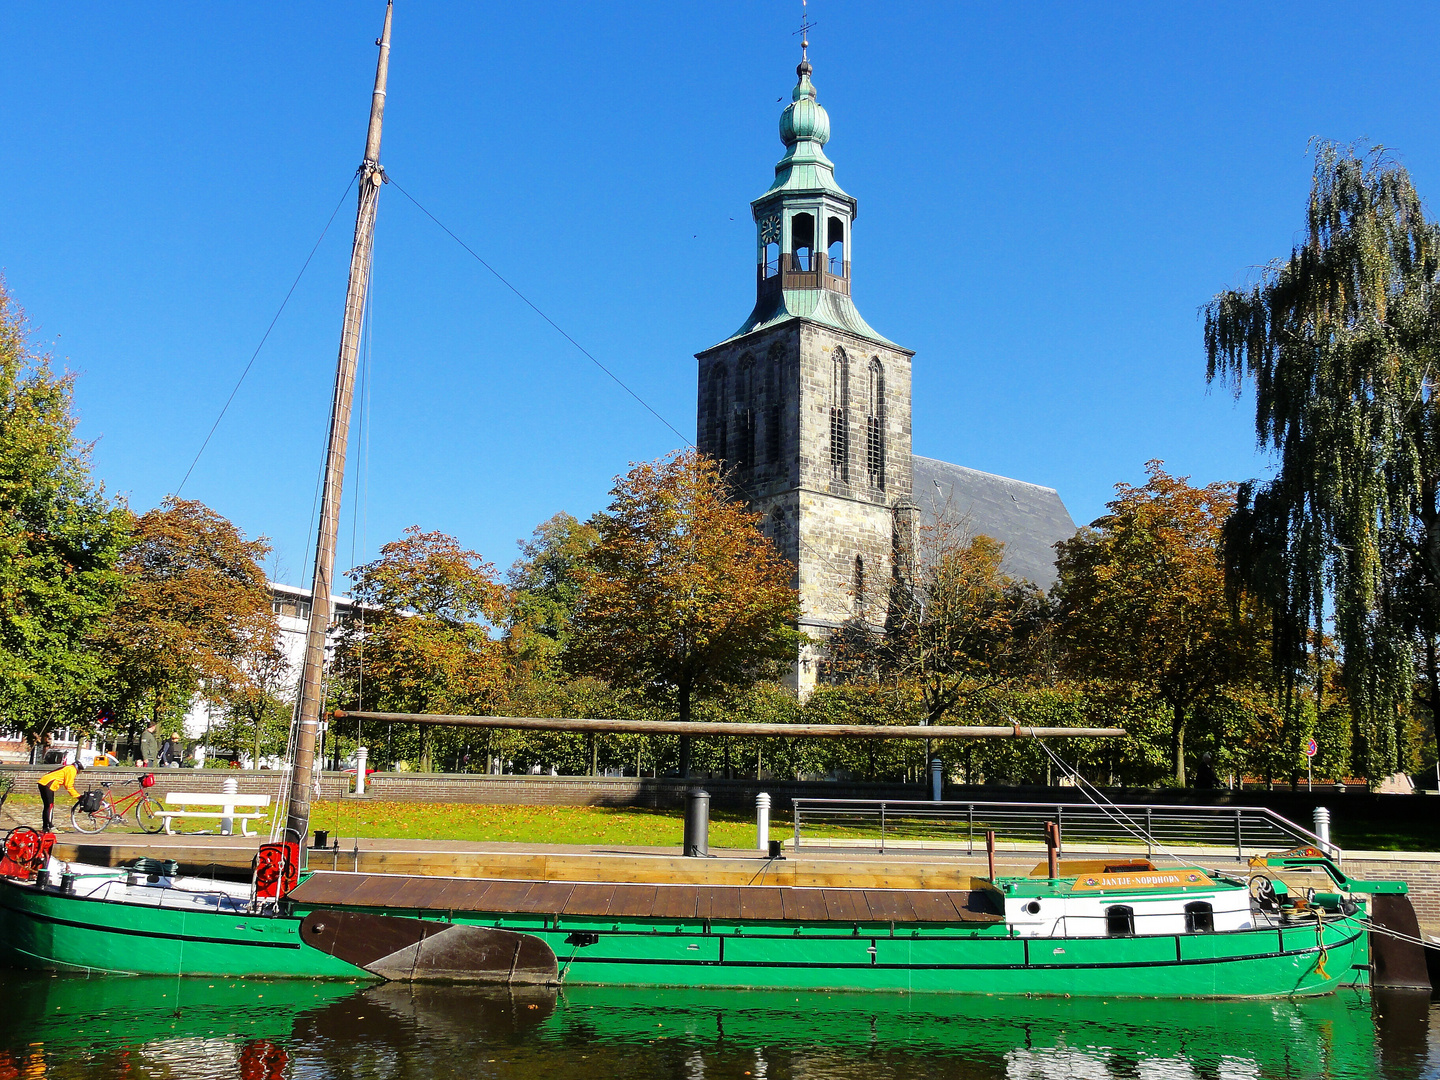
(835, 245)
(1120, 921)
(802, 241)
(1199, 918)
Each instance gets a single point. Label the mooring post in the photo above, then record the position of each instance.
(229, 786)
(697, 823)
(1322, 824)
(1052, 848)
(762, 821)
(990, 851)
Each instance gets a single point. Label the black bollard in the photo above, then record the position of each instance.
(697, 823)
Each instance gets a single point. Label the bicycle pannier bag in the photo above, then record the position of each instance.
(90, 801)
(148, 780)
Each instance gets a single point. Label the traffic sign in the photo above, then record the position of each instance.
(1311, 748)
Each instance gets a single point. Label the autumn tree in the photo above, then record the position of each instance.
(1143, 605)
(682, 594)
(418, 638)
(956, 629)
(194, 615)
(60, 540)
(1341, 342)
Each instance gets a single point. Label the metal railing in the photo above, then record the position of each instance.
(961, 826)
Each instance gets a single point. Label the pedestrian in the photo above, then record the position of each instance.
(172, 751)
(51, 783)
(149, 746)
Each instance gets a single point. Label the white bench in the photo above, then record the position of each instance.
(225, 803)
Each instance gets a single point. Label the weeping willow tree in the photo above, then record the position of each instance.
(1340, 342)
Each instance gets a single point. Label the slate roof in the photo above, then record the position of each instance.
(1028, 518)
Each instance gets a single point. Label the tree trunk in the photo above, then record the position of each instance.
(684, 739)
(1432, 674)
(1177, 724)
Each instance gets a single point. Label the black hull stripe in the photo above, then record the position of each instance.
(1192, 962)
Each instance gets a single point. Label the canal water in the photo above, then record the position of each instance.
(142, 1027)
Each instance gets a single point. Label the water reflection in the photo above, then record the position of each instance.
(69, 1027)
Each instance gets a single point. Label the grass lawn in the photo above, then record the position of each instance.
(524, 824)
(470, 821)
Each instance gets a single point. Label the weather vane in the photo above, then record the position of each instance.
(805, 27)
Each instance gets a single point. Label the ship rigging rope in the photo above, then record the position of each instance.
(390, 179)
(531, 305)
(266, 336)
(1099, 800)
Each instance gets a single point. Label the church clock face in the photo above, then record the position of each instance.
(770, 230)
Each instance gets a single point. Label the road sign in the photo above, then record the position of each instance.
(1311, 748)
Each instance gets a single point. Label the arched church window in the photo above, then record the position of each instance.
(745, 412)
(719, 411)
(835, 245)
(839, 421)
(859, 587)
(875, 426)
(802, 241)
(773, 449)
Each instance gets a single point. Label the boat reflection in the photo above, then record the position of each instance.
(237, 1028)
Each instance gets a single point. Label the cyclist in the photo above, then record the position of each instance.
(50, 784)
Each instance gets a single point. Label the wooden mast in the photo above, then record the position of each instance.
(311, 680)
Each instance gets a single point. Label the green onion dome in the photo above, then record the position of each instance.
(804, 118)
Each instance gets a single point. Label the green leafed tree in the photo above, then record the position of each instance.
(545, 590)
(1340, 342)
(683, 595)
(60, 541)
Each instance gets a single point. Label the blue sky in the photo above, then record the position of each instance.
(1048, 195)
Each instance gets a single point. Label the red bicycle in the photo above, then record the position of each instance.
(96, 809)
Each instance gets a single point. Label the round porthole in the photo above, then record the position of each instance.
(1033, 907)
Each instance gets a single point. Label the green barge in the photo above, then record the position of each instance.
(1181, 932)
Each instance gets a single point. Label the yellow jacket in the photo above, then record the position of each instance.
(64, 775)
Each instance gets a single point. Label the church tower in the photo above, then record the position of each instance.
(806, 406)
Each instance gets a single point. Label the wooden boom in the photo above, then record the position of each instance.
(769, 731)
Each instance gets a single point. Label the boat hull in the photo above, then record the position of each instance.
(45, 930)
(1291, 961)
(1270, 963)
(49, 931)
